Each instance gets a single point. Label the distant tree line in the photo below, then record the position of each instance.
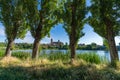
(39, 16)
(23, 46)
(92, 46)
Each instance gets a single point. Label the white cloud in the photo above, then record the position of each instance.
(45, 40)
(117, 40)
(28, 39)
(25, 40)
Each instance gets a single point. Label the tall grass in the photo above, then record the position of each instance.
(90, 57)
(55, 56)
(21, 55)
(2, 53)
(35, 70)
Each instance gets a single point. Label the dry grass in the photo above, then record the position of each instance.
(12, 68)
(9, 60)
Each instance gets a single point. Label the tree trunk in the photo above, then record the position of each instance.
(73, 34)
(72, 48)
(112, 45)
(35, 50)
(9, 48)
(38, 34)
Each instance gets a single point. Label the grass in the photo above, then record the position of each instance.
(2, 53)
(88, 57)
(21, 55)
(92, 58)
(44, 69)
(56, 56)
(56, 66)
(53, 56)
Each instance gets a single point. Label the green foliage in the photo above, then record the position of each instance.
(23, 46)
(74, 18)
(13, 18)
(105, 42)
(41, 14)
(103, 10)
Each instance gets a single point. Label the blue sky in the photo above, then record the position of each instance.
(58, 33)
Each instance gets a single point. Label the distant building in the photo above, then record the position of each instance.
(56, 44)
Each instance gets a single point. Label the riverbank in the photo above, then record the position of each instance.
(56, 66)
(43, 69)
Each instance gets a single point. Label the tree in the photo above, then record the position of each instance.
(73, 16)
(41, 19)
(13, 18)
(94, 46)
(105, 43)
(104, 20)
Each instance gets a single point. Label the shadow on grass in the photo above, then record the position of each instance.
(41, 72)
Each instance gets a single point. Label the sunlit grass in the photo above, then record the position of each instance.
(56, 66)
(43, 69)
(92, 58)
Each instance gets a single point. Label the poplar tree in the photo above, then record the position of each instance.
(40, 19)
(104, 20)
(13, 19)
(73, 16)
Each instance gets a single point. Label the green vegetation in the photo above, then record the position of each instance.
(90, 57)
(21, 55)
(43, 69)
(23, 46)
(2, 53)
(56, 56)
